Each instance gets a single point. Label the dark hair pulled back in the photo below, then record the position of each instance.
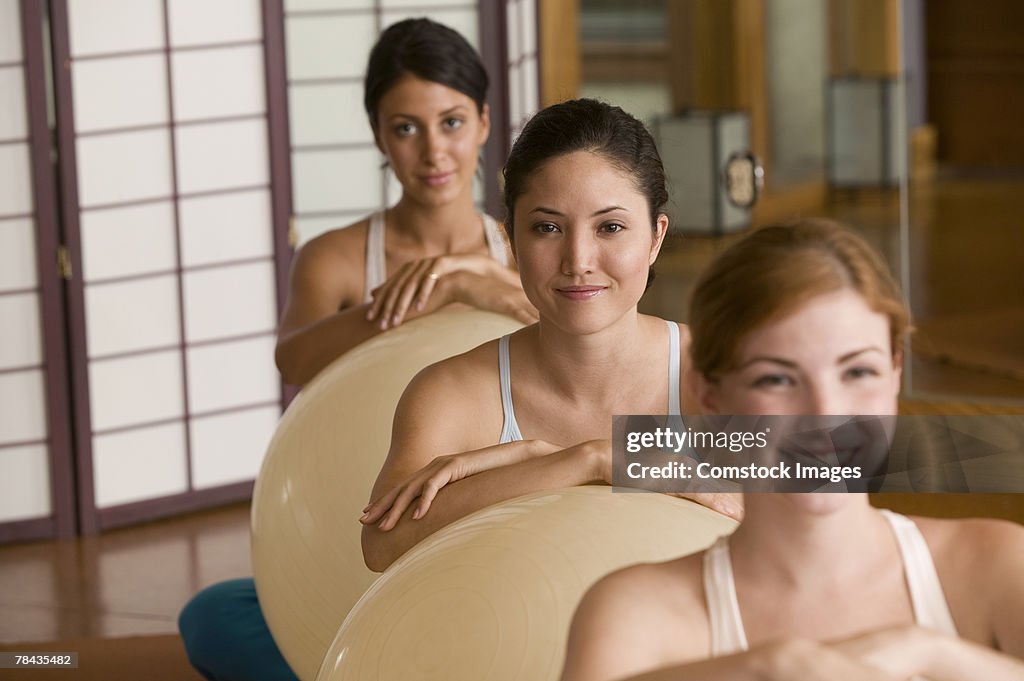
(427, 50)
(586, 125)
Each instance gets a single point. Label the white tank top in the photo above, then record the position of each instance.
(726, 624)
(376, 260)
(510, 428)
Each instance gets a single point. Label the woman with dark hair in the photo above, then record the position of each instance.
(584, 197)
(805, 319)
(424, 95)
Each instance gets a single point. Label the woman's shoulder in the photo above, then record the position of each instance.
(466, 377)
(338, 244)
(659, 606)
(980, 563)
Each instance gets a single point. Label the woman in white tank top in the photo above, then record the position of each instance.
(813, 585)
(584, 193)
(425, 96)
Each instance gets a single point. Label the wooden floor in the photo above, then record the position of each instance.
(967, 284)
(125, 582)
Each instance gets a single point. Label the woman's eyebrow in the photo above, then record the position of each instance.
(850, 355)
(552, 211)
(767, 358)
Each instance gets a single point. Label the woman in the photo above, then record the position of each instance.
(424, 95)
(584, 193)
(806, 320)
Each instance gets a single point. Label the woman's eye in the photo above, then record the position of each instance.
(612, 228)
(859, 372)
(546, 228)
(405, 129)
(453, 123)
(772, 381)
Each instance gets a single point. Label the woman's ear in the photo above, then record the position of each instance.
(485, 123)
(705, 392)
(661, 229)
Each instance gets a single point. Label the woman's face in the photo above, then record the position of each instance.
(832, 356)
(584, 242)
(431, 136)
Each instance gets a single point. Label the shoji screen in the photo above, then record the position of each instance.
(523, 83)
(167, 208)
(336, 169)
(36, 497)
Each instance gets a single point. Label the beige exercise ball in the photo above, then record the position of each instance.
(491, 596)
(318, 471)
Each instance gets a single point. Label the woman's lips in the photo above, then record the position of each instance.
(580, 292)
(437, 179)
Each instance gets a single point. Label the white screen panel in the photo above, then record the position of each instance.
(106, 26)
(17, 254)
(418, 4)
(118, 242)
(10, 31)
(24, 483)
(230, 447)
(131, 315)
(139, 464)
(328, 114)
(20, 342)
(336, 180)
(310, 227)
(329, 47)
(218, 82)
(222, 155)
(528, 25)
(124, 167)
(133, 390)
(201, 22)
(513, 30)
(23, 396)
(225, 227)
(515, 103)
(307, 5)
(16, 186)
(531, 88)
(119, 92)
(225, 375)
(462, 20)
(230, 301)
(13, 123)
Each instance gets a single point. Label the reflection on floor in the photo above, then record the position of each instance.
(126, 582)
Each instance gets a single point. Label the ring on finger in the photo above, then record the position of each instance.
(433, 276)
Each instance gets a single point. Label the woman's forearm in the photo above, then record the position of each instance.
(565, 468)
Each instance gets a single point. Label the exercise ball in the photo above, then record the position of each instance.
(491, 596)
(318, 471)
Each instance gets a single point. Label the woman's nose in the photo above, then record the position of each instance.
(577, 254)
(433, 146)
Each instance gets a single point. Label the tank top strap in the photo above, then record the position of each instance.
(673, 369)
(930, 607)
(376, 260)
(725, 624)
(510, 428)
(495, 237)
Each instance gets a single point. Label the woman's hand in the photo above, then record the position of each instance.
(428, 481)
(726, 503)
(412, 285)
(486, 293)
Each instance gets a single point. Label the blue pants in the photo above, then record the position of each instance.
(226, 637)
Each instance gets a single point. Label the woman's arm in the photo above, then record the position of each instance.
(434, 417)
(323, 317)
